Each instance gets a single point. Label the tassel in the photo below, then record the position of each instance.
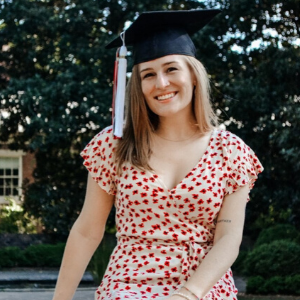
(115, 83)
(118, 121)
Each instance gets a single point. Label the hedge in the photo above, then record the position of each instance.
(43, 255)
(278, 232)
(279, 258)
(285, 285)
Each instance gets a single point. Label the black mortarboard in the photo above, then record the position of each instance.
(160, 33)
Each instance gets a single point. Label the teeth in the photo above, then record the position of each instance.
(164, 97)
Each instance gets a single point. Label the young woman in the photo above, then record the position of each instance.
(179, 184)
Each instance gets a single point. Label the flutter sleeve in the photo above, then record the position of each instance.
(243, 166)
(99, 160)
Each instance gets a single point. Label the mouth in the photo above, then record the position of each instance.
(166, 96)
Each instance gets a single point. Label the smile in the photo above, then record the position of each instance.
(167, 96)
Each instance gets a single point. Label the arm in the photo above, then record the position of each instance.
(85, 236)
(227, 240)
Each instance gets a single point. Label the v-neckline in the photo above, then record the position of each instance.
(206, 152)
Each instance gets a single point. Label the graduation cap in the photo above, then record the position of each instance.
(153, 35)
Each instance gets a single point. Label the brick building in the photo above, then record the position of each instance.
(15, 167)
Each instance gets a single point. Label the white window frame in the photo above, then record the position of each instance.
(14, 154)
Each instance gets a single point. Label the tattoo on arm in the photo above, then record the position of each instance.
(224, 220)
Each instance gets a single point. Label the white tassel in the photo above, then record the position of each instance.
(118, 121)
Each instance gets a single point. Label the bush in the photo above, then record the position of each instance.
(34, 256)
(11, 257)
(293, 284)
(255, 285)
(44, 255)
(279, 258)
(289, 285)
(13, 219)
(238, 266)
(101, 257)
(275, 285)
(278, 232)
(8, 223)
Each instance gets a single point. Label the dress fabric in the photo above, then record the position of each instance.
(163, 235)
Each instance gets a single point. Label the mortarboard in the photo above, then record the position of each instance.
(159, 33)
(153, 35)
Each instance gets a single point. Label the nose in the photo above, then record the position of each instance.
(161, 81)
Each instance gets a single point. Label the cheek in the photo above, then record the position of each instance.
(146, 88)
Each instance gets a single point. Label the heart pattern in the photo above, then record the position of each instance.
(163, 235)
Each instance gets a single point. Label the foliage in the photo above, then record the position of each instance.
(239, 264)
(11, 257)
(278, 232)
(278, 258)
(285, 285)
(44, 255)
(255, 285)
(272, 217)
(100, 258)
(14, 220)
(56, 82)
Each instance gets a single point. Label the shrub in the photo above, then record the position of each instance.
(44, 255)
(13, 219)
(11, 257)
(279, 258)
(293, 284)
(100, 259)
(255, 284)
(238, 266)
(289, 285)
(275, 285)
(278, 232)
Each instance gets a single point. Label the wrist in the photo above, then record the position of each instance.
(184, 295)
(191, 292)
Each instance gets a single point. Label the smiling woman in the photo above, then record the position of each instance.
(179, 184)
(168, 80)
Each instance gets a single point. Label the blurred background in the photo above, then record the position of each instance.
(55, 95)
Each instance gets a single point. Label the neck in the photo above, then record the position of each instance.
(174, 128)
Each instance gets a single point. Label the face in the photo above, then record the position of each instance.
(167, 84)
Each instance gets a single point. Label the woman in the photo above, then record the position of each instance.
(180, 185)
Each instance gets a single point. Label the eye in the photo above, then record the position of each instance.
(147, 75)
(171, 69)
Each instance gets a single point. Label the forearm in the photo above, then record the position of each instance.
(78, 252)
(214, 266)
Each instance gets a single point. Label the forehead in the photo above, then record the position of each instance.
(162, 61)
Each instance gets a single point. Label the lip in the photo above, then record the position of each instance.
(167, 99)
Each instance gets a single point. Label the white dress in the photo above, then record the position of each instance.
(163, 235)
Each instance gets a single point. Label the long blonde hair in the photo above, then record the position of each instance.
(141, 122)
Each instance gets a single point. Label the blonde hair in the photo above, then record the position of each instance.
(141, 122)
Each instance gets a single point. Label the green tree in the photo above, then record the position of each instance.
(262, 91)
(56, 81)
(253, 57)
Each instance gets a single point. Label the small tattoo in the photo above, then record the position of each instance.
(223, 220)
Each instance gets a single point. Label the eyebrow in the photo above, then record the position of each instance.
(165, 64)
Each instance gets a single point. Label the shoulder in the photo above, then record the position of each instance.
(104, 139)
(235, 150)
(99, 159)
(232, 147)
(228, 139)
(103, 143)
